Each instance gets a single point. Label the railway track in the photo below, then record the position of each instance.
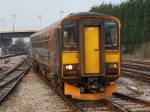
(136, 69)
(89, 106)
(9, 79)
(137, 61)
(7, 71)
(130, 104)
(118, 103)
(7, 56)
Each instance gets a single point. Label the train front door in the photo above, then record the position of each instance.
(92, 53)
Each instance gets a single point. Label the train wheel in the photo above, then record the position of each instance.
(60, 87)
(35, 67)
(53, 81)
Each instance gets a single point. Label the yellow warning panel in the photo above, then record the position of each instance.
(75, 92)
(91, 37)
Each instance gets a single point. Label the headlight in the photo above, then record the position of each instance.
(111, 65)
(115, 65)
(69, 67)
(112, 68)
(70, 70)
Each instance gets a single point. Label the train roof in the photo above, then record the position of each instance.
(87, 14)
(79, 14)
(46, 29)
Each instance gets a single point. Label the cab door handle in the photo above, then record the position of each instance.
(96, 49)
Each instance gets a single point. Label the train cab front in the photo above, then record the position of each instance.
(90, 57)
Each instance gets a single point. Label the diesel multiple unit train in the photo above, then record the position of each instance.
(80, 55)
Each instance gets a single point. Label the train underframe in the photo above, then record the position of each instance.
(85, 88)
(89, 88)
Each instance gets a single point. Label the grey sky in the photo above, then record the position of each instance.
(27, 11)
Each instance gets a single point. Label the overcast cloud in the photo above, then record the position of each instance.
(27, 11)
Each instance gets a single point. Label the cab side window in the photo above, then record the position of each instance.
(69, 35)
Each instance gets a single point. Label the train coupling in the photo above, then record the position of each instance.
(92, 89)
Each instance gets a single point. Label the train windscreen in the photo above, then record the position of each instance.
(111, 40)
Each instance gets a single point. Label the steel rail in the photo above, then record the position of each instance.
(135, 74)
(136, 66)
(8, 56)
(116, 106)
(139, 77)
(127, 103)
(136, 61)
(136, 100)
(74, 107)
(101, 105)
(145, 73)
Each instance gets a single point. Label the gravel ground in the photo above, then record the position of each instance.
(33, 95)
(134, 87)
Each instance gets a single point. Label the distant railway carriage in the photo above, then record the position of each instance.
(80, 55)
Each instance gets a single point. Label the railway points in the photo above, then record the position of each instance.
(10, 79)
(34, 94)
